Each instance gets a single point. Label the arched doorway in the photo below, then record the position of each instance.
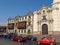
(28, 32)
(16, 31)
(44, 29)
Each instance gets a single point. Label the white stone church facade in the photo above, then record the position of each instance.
(46, 20)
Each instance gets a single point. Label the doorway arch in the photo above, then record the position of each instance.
(44, 29)
(15, 31)
(29, 31)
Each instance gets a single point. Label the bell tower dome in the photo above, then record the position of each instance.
(56, 1)
(56, 4)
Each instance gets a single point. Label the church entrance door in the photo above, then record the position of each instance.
(44, 29)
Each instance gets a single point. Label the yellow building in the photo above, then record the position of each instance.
(21, 24)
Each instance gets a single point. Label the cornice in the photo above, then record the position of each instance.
(56, 3)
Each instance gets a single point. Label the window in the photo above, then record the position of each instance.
(15, 31)
(25, 17)
(15, 24)
(29, 16)
(43, 11)
(49, 11)
(24, 31)
(29, 23)
(21, 31)
(20, 18)
(57, 8)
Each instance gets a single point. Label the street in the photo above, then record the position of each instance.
(4, 41)
(9, 42)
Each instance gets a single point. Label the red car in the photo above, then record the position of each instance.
(46, 40)
(18, 38)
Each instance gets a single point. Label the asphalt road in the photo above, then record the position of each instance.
(9, 42)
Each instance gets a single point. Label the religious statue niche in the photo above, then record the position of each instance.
(44, 18)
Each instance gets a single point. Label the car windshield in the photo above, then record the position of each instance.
(29, 36)
(49, 38)
(19, 36)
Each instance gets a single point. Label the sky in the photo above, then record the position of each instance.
(12, 8)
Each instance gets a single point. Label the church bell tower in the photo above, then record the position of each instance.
(56, 16)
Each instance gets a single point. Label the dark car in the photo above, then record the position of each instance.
(8, 36)
(1, 34)
(30, 37)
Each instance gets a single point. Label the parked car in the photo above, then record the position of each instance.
(30, 37)
(8, 36)
(18, 38)
(46, 40)
(1, 34)
(4, 34)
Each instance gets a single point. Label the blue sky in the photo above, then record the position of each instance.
(10, 8)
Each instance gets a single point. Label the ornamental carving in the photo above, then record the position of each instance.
(50, 21)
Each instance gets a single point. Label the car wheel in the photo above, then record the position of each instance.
(18, 40)
(53, 43)
(11, 39)
(32, 39)
(38, 43)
